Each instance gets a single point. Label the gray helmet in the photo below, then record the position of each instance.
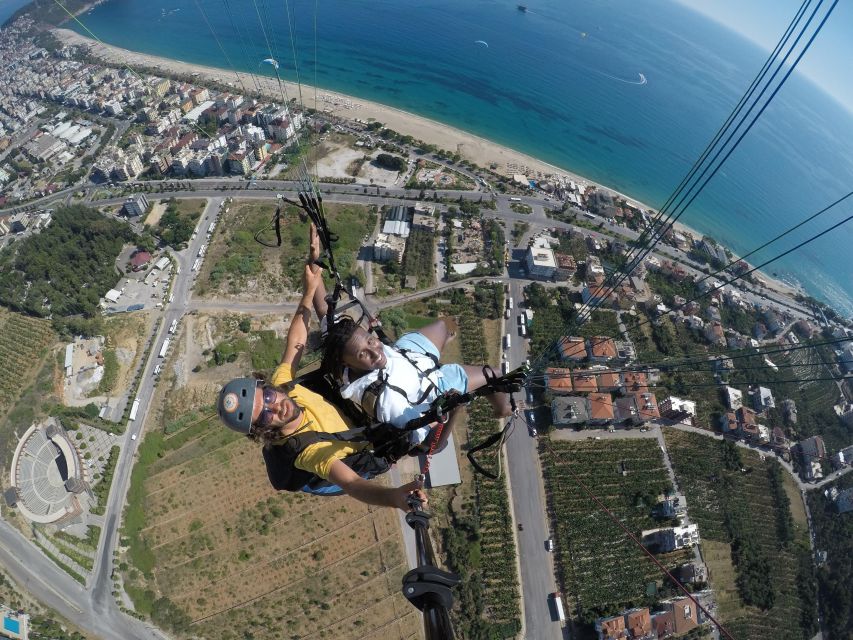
(236, 403)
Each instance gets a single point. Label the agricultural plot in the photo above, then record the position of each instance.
(759, 559)
(484, 555)
(23, 341)
(215, 552)
(237, 265)
(834, 535)
(600, 569)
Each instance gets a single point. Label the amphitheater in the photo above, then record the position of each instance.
(47, 475)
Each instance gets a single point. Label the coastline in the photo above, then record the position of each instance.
(473, 148)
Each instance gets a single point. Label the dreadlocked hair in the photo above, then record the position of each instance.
(334, 344)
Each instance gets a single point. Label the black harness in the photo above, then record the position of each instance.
(373, 393)
(284, 475)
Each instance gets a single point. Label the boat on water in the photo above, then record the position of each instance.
(522, 8)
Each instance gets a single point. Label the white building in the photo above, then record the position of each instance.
(734, 398)
(762, 399)
(136, 205)
(541, 262)
(673, 406)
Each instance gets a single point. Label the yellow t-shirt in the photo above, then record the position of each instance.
(324, 417)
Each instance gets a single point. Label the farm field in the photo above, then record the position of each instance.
(757, 550)
(600, 570)
(232, 558)
(24, 343)
(236, 262)
(834, 535)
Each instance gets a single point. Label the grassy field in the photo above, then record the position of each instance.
(237, 264)
(234, 559)
(600, 570)
(730, 495)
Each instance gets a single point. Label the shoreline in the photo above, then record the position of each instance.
(473, 148)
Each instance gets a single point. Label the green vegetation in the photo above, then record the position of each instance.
(479, 547)
(61, 564)
(264, 348)
(736, 499)
(65, 269)
(102, 489)
(834, 535)
(240, 257)
(23, 343)
(177, 223)
(600, 571)
(518, 231)
(110, 372)
(418, 258)
(392, 163)
(520, 207)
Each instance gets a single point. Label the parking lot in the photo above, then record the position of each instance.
(146, 287)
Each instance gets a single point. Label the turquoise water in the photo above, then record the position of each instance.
(8, 7)
(562, 83)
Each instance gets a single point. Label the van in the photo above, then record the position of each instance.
(549, 545)
(133, 436)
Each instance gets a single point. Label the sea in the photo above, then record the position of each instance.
(625, 93)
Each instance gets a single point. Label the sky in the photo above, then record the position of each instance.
(764, 21)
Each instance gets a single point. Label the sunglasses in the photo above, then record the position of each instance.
(266, 416)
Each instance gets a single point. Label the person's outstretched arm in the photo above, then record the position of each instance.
(321, 307)
(371, 492)
(297, 335)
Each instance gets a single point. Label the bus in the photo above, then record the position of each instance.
(134, 409)
(515, 199)
(164, 349)
(523, 330)
(509, 303)
(211, 228)
(196, 264)
(174, 326)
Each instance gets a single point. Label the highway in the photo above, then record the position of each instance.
(527, 495)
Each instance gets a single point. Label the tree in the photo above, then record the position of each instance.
(392, 163)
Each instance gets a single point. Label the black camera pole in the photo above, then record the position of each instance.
(428, 587)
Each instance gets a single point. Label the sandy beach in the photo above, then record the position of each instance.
(472, 148)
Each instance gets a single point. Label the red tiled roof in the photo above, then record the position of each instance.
(602, 347)
(639, 623)
(684, 615)
(140, 258)
(612, 627)
(647, 405)
(610, 381)
(745, 416)
(636, 381)
(573, 348)
(584, 382)
(600, 406)
(559, 380)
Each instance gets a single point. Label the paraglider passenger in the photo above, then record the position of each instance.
(287, 418)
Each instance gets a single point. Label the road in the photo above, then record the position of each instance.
(527, 494)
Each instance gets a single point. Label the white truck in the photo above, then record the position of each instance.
(196, 264)
(558, 606)
(164, 349)
(174, 326)
(134, 409)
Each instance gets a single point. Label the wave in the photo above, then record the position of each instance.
(640, 81)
